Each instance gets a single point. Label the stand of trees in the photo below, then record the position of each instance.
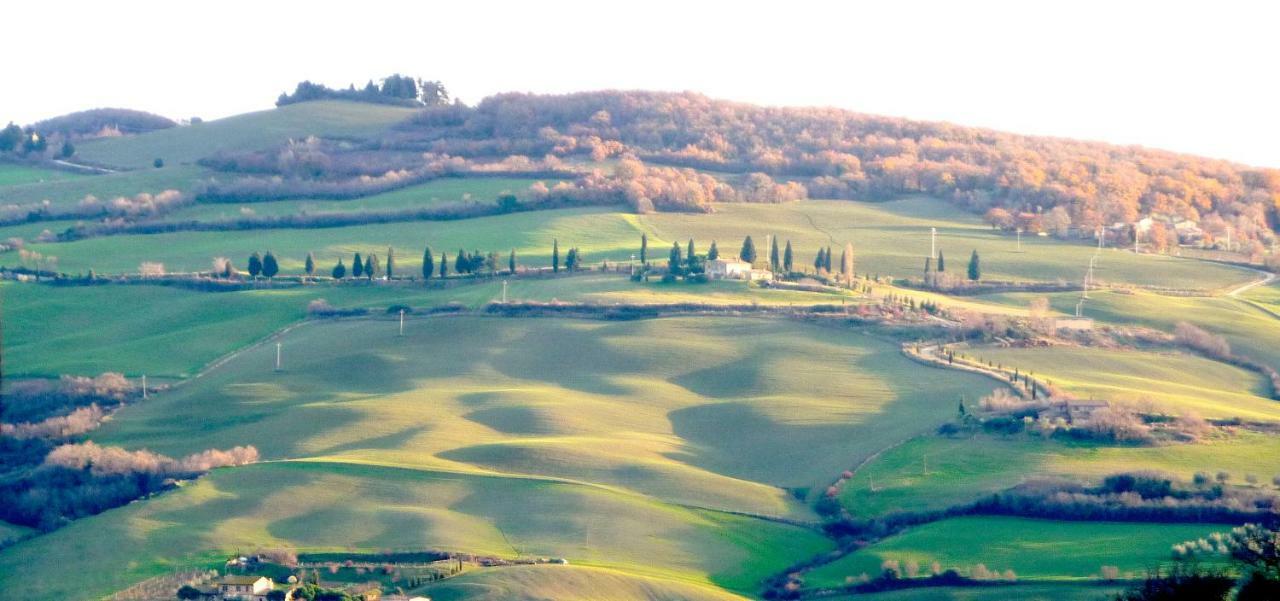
(394, 89)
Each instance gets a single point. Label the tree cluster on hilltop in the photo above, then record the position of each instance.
(842, 154)
(394, 89)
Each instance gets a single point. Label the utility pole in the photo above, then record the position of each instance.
(144, 387)
(1019, 230)
(402, 322)
(933, 242)
(1101, 237)
(278, 368)
(1080, 307)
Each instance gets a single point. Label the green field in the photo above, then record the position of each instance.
(67, 192)
(1174, 382)
(250, 131)
(447, 190)
(12, 175)
(516, 437)
(1033, 549)
(880, 232)
(566, 583)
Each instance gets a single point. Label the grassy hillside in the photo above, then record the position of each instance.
(1033, 549)
(250, 131)
(567, 583)
(13, 175)
(67, 192)
(889, 238)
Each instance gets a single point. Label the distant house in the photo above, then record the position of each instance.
(245, 588)
(733, 269)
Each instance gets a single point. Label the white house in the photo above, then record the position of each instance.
(249, 588)
(734, 269)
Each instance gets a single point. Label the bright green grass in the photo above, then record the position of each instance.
(479, 189)
(881, 232)
(333, 506)
(1173, 381)
(566, 583)
(69, 192)
(250, 131)
(1033, 549)
(172, 332)
(1032, 591)
(893, 238)
(12, 175)
(961, 470)
(1250, 329)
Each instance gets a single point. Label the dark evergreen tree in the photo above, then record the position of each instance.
(787, 258)
(339, 270)
(775, 261)
(713, 253)
(942, 262)
(310, 266)
(644, 249)
(511, 261)
(255, 265)
(491, 262)
(674, 261)
(444, 265)
(748, 252)
(555, 256)
(818, 263)
(269, 265)
(690, 255)
(975, 267)
(461, 262)
(67, 150)
(391, 262)
(826, 260)
(428, 264)
(226, 270)
(571, 259)
(357, 266)
(371, 266)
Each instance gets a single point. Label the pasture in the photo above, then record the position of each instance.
(1033, 549)
(250, 131)
(67, 192)
(12, 175)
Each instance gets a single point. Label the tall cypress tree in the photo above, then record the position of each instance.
(310, 266)
(748, 252)
(391, 262)
(644, 249)
(775, 263)
(571, 259)
(787, 258)
(255, 265)
(713, 253)
(826, 258)
(975, 267)
(444, 265)
(942, 262)
(673, 261)
(371, 266)
(690, 256)
(461, 263)
(428, 264)
(818, 263)
(357, 266)
(555, 256)
(511, 261)
(269, 265)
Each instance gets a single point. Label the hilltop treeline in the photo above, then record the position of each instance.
(394, 89)
(102, 122)
(842, 154)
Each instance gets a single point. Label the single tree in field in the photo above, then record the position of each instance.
(674, 261)
(942, 262)
(310, 266)
(255, 265)
(371, 266)
(444, 265)
(571, 259)
(775, 261)
(391, 262)
(461, 262)
(428, 264)
(690, 255)
(826, 260)
(339, 270)
(818, 263)
(787, 258)
(846, 264)
(644, 249)
(269, 266)
(511, 261)
(555, 256)
(748, 252)
(975, 267)
(357, 266)
(713, 253)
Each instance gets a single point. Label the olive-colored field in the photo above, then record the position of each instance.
(515, 437)
(1033, 549)
(250, 131)
(566, 583)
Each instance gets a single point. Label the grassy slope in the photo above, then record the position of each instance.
(567, 583)
(12, 175)
(173, 332)
(882, 234)
(68, 192)
(250, 131)
(1033, 549)
(1175, 382)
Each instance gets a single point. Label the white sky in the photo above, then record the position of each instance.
(1198, 78)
